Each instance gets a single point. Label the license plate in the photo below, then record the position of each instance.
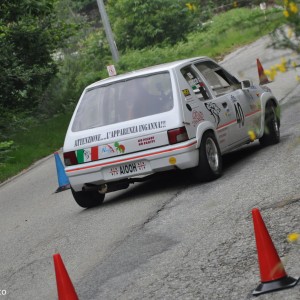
(126, 170)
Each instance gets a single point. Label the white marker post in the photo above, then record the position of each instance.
(263, 6)
(111, 70)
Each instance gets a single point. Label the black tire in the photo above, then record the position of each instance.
(88, 199)
(271, 134)
(210, 159)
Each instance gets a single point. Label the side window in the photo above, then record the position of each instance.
(220, 81)
(195, 83)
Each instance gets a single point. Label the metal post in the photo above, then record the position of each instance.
(108, 31)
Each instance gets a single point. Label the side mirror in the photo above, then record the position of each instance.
(246, 84)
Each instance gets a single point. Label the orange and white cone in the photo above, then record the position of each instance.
(263, 79)
(272, 272)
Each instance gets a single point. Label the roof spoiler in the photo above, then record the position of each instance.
(263, 79)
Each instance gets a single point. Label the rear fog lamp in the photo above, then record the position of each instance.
(177, 135)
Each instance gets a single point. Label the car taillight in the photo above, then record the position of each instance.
(70, 158)
(177, 135)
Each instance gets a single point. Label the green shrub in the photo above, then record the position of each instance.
(5, 148)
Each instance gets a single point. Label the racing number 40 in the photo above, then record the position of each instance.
(240, 117)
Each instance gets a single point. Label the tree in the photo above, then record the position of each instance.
(138, 24)
(29, 35)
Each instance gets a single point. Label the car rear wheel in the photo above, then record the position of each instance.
(271, 133)
(210, 159)
(88, 199)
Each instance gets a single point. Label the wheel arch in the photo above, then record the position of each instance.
(210, 157)
(277, 108)
(265, 101)
(202, 129)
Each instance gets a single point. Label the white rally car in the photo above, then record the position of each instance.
(179, 115)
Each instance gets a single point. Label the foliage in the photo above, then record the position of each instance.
(29, 34)
(293, 237)
(76, 70)
(26, 150)
(289, 36)
(5, 148)
(138, 24)
(12, 122)
(209, 8)
(82, 4)
(226, 31)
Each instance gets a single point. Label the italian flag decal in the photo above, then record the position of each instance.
(86, 155)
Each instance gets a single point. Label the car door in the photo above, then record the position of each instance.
(201, 104)
(239, 130)
(226, 90)
(253, 94)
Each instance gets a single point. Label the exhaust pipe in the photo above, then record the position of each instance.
(103, 189)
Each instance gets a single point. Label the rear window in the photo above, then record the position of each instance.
(124, 100)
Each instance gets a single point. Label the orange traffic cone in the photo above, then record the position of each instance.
(65, 288)
(272, 272)
(263, 79)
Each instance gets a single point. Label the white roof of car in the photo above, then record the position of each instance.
(152, 69)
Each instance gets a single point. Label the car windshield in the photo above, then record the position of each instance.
(124, 100)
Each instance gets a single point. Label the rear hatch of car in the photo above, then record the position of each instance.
(119, 118)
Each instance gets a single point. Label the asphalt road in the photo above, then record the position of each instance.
(166, 238)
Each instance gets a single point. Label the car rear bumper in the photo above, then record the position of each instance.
(181, 156)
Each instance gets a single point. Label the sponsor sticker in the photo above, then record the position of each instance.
(120, 132)
(197, 117)
(186, 92)
(146, 141)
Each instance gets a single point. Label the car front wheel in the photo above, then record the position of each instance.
(271, 133)
(210, 159)
(88, 199)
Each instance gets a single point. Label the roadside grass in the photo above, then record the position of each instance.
(33, 144)
(224, 34)
(221, 36)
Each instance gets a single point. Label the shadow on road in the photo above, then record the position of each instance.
(176, 180)
(239, 156)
